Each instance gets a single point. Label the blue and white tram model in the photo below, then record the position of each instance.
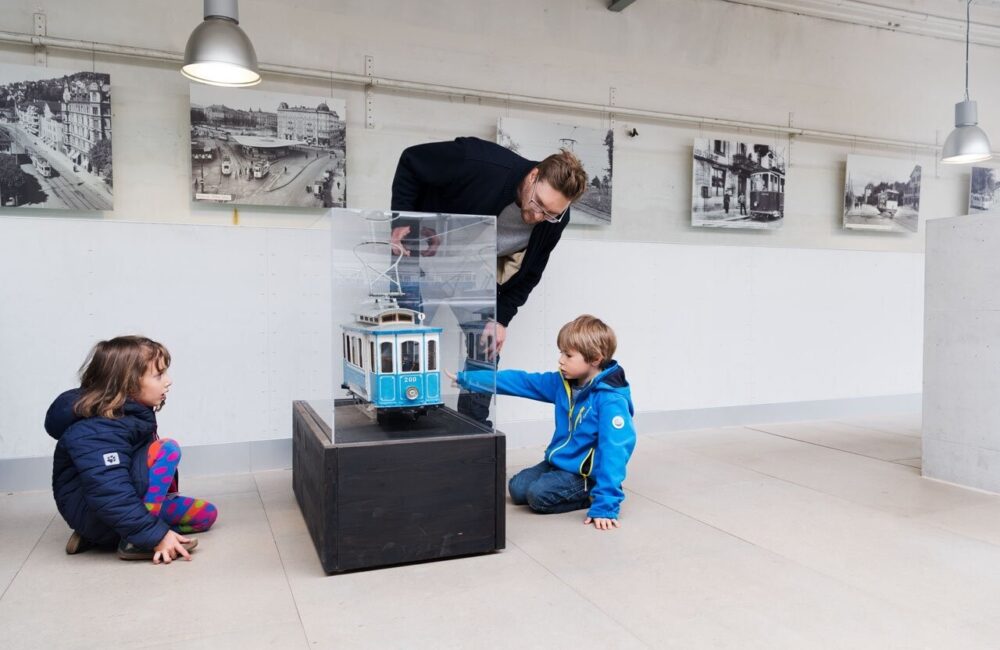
(392, 360)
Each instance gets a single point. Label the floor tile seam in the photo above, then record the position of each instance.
(882, 512)
(861, 587)
(922, 519)
(281, 559)
(27, 556)
(878, 429)
(816, 444)
(576, 591)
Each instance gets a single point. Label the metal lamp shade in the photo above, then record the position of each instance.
(220, 54)
(967, 143)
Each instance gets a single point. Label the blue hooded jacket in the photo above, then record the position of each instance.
(594, 435)
(99, 472)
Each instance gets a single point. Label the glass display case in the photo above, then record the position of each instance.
(414, 298)
(397, 465)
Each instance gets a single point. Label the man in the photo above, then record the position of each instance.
(472, 176)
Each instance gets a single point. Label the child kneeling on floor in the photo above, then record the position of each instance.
(584, 464)
(113, 477)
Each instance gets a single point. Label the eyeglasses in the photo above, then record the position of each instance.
(537, 208)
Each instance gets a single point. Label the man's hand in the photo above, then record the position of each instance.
(170, 547)
(396, 241)
(427, 234)
(600, 523)
(492, 338)
(452, 377)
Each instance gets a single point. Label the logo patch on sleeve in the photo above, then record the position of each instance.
(112, 459)
(618, 422)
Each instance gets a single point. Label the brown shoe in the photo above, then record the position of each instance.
(129, 551)
(77, 544)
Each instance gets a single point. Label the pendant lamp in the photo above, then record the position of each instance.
(218, 52)
(967, 143)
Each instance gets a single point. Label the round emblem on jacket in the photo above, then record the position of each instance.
(618, 422)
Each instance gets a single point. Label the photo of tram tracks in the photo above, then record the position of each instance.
(882, 194)
(55, 139)
(593, 146)
(269, 149)
(984, 190)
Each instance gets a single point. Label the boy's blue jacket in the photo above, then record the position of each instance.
(99, 472)
(594, 434)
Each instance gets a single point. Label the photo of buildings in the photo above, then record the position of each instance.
(55, 139)
(737, 185)
(257, 148)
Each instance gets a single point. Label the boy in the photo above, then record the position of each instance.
(594, 437)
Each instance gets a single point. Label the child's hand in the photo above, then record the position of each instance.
(600, 523)
(170, 547)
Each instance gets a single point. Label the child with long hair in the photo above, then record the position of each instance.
(113, 478)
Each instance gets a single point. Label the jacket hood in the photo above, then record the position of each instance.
(612, 379)
(60, 415)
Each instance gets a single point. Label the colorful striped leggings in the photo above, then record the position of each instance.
(183, 514)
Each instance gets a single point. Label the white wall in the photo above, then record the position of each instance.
(747, 317)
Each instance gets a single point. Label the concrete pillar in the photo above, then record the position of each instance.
(961, 434)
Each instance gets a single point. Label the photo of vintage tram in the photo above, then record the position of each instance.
(391, 360)
(767, 195)
(42, 165)
(888, 202)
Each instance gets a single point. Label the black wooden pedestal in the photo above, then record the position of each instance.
(383, 498)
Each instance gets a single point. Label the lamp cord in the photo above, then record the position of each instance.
(967, 14)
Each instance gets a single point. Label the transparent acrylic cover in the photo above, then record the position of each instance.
(414, 298)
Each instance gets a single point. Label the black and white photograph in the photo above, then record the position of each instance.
(984, 190)
(258, 148)
(738, 185)
(594, 147)
(55, 139)
(882, 194)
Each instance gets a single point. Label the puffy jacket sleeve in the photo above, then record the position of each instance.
(103, 458)
(615, 443)
(541, 386)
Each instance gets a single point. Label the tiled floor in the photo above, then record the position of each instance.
(804, 535)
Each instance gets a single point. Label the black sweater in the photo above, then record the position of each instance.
(473, 176)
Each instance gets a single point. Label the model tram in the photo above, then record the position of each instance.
(391, 360)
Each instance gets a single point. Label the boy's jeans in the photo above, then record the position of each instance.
(547, 489)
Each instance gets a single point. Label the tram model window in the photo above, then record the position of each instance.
(409, 353)
(344, 337)
(371, 349)
(386, 351)
(431, 355)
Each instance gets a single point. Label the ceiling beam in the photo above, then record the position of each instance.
(618, 5)
(896, 19)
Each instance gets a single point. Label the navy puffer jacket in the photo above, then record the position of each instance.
(99, 472)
